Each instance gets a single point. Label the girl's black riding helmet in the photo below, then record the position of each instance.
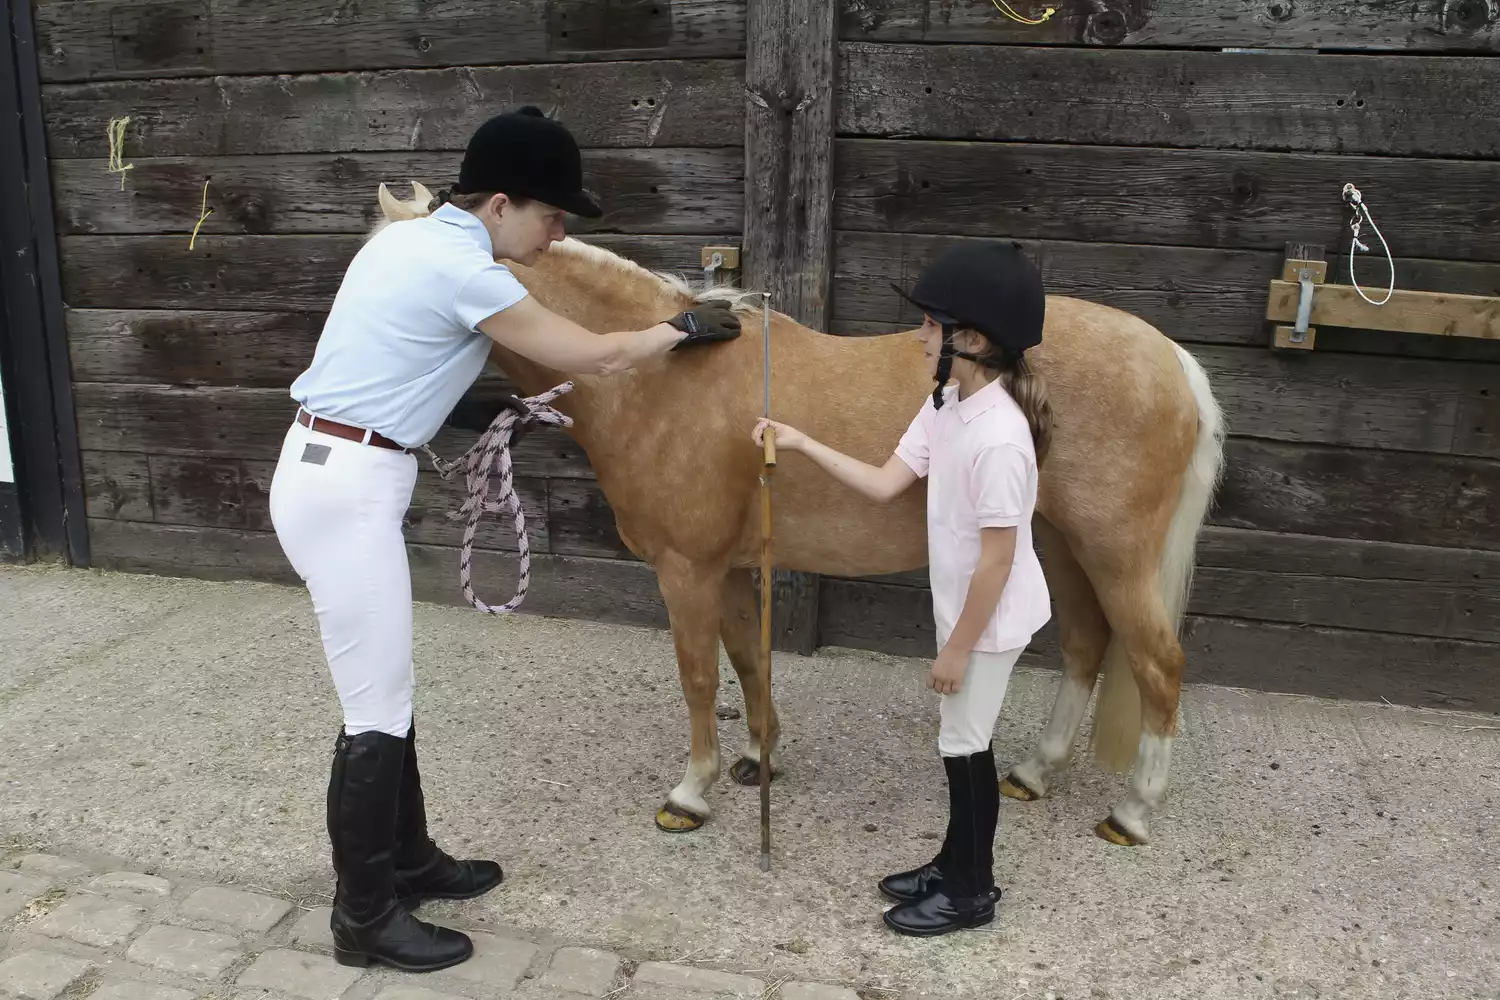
(989, 286)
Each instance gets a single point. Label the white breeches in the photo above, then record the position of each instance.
(968, 717)
(338, 507)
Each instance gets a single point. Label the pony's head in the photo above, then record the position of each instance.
(396, 210)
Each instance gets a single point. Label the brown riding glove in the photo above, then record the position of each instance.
(706, 323)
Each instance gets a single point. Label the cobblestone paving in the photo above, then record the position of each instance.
(69, 932)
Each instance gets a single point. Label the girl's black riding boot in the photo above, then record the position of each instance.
(909, 886)
(423, 870)
(368, 924)
(965, 895)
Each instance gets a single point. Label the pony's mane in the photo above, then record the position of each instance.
(741, 300)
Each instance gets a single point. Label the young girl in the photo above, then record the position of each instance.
(979, 443)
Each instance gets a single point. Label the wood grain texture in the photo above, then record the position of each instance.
(655, 103)
(1194, 295)
(191, 347)
(1392, 404)
(604, 590)
(276, 273)
(1359, 493)
(1407, 311)
(1437, 106)
(1235, 199)
(237, 423)
(787, 249)
(107, 40)
(640, 190)
(581, 521)
(1423, 26)
(1265, 656)
(117, 485)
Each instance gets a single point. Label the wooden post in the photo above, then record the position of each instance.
(789, 60)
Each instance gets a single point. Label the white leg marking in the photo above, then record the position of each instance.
(689, 794)
(1056, 747)
(1148, 786)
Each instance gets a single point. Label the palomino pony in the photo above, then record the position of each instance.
(1135, 458)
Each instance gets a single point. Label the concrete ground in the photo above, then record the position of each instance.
(1307, 848)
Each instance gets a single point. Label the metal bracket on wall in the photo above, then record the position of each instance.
(1300, 297)
(1305, 273)
(717, 259)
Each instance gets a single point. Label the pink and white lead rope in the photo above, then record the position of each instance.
(479, 463)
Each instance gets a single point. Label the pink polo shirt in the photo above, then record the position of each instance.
(981, 472)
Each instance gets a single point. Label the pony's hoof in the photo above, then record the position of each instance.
(673, 818)
(1111, 831)
(1013, 787)
(747, 772)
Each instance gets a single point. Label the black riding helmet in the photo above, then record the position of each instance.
(989, 286)
(523, 153)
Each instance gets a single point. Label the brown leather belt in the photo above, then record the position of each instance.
(346, 431)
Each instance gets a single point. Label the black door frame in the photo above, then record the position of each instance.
(33, 334)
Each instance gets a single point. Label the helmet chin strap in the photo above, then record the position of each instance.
(945, 364)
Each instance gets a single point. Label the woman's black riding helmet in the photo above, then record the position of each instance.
(989, 286)
(523, 153)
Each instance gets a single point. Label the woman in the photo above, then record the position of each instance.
(978, 442)
(408, 333)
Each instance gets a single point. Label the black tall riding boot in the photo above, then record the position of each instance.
(910, 886)
(368, 924)
(423, 870)
(965, 894)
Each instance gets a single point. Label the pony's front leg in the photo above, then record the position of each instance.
(741, 632)
(692, 592)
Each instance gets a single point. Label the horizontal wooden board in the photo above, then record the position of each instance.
(1423, 26)
(234, 493)
(1307, 580)
(1360, 493)
(582, 522)
(117, 485)
(1430, 313)
(251, 424)
(252, 272)
(1238, 199)
(1435, 106)
(1193, 295)
(1394, 404)
(606, 590)
(1267, 656)
(640, 190)
(191, 347)
(655, 103)
(126, 38)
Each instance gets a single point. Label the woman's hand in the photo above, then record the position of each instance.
(948, 671)
(787, 438)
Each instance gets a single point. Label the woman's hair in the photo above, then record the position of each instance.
(1028, 389)
(468, 202)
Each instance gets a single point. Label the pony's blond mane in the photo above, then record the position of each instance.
(742, 300)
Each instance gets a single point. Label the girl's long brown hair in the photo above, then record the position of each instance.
(1029, 389)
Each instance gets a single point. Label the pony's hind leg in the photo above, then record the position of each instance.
(741, 633)
(1083, 634)
(693, 595)
(1156, 659)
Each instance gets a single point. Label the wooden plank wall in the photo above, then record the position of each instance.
(294, 113)
(1355, 548)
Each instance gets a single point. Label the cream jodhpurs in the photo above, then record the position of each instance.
(968, 717)
(337, 507)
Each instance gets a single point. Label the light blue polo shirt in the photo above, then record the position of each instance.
(402, 344)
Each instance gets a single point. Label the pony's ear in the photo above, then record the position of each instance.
(393, 209)
(421, 195)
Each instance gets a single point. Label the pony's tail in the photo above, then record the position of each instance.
(1117, 717)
